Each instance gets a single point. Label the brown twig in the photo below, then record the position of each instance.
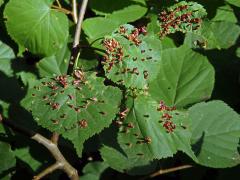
(165, 171)
(47, 171)
(64, 165)
(55, 137)
(75, 48)
(61, 162)
(74, 11)
(59, 4)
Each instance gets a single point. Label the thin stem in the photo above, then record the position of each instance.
(75, 48)
(79, 23)
(55, 137)
(47, 171)
(66, 11)
(165, 171)
(53, 149)
(59, 4)
(74, 11)
(61, 162)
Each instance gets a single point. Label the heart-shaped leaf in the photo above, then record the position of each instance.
(185, 77)
(35, 26)
(77, 108)
(117, 159)
(215, 134)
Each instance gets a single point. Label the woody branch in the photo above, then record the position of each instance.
(61, 163)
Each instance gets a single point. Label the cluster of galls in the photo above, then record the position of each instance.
(166, 121)
(126, 129)
(62, 80)
(134, 35)
(179, 19)
(120, 121)
(114, 52)
(121, 117)
(58, 86)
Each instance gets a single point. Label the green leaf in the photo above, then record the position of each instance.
(12, 91)
(27, 78)
(131, 63)
(2, 130)
(1, 2)
(7, 177)
(183, 16)
(117, 159)
(37, 27)
(24, 71)
(88, 60)
(4, 111)
(153, 29)
(238, 52)
(168, 43)
(119, 6)
(93, 170)
(7, 158)
(56, 64)
(115, 14)
(6, 55)
(75, 108)
(24, 154)
(124, 164)
(225, 13)
(128, 14)
(211, 34)
(234, 2)
(153, 133)
(102, 9)
(105, 26)
(185, 77)
(215, 134)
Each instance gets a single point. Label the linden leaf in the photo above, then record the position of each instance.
(183, 16)
(35, 26)
(132, 57)
(75, 108)
(185, 77)
(215, 134)
(210, 35)
(56, 64)
(234, 2)
(94, 170)
(154, 131)
(113, 155)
